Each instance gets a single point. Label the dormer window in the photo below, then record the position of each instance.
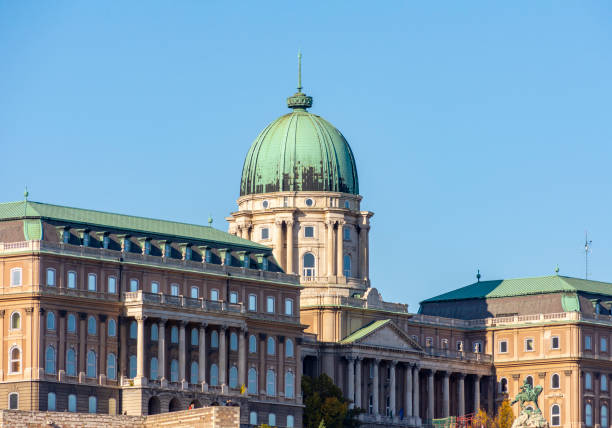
(228, 258)
(105, 242)
(264, 264)
(167, 250)
(246, 261)
(66, 236)
(127, 245)
(86, 240)
(208, 255)
(188, 253)
(147, 247)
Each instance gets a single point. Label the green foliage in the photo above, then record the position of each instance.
(325, 407)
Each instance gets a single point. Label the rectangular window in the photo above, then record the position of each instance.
(188, 253)
(50, 277)
(554, 342)
(603, 344)
(154, 287)
(309, 232)
(174, 289)
(477, 347)
(270, 305)
(214, 295)
(72, 279)
(112, 284)
(15, 277)
(252, 302)
(265, 233)
(460, 345)
(66, 237)
(147, 247)
(528, 345)
(133, 285)
(86, 240)
(264, 263)
(105, 242)
(208, 255)
(347, 234)
(503, 346)
(233, 297)
(195, 292)
(228, 259)
(13, 401)
(246, 261)
(288, 306)
(428, 342)
(587, 343)
(91, 282)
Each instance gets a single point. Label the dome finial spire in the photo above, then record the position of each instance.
(299, 100)
(299, 86)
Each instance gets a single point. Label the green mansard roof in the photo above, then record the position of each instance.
(523, 287)
(127, 223)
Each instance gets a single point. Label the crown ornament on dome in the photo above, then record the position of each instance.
(299, 100)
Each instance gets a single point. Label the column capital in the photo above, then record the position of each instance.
(182, 323)
(330, 222)
(446, 374)
(163, 321)
(223, 328)
(203, 325)
(377, 360)
(289, 222)
(461, 375)
(2, 311)
(350, 358)
(41, 310)
(244, 329)
(278, 222)
(393, 363)
(140, 317)
(341, 222)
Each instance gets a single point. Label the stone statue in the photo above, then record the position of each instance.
(529, 417)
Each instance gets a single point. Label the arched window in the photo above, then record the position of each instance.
(214, 339)
(93, 404)
(555, 381)
(14, 401)
(15, 321)
(503, 385)
(50, 321)
(174, 334)
(346, 265)
(233, 377)
(51, 277)
(133, 330)
(153, 368)
(72, 403)
(233, 341)
(112, 328)
(271, 383)
(91, 364)
(50, 360)
(154, 332)
(214, 375)
(588, 381)
(91, 326)
(272, 419)
(253, 418)
(309, 265)
(91, 282)
(174, 371)
(252, 381)
(51, 401)
(555, 415)
(603, 421)
(290, 422)
(15, 360)
(194, 372)
(289, 348)
(271, 346)
(194, 337)
(71, 362)
(252, 344)
(214, 295)
(72, 324)
(588, 415)
(529, 380)
(111, 366)
(132, 369)
(289, 385)
(604, 382)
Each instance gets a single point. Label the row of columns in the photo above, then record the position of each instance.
(411, 389)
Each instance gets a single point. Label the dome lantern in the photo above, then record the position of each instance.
(299, 100)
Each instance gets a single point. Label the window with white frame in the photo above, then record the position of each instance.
(93, 404)
(603, 416)
(15, 277)
(289, 382)
(587, 343)
(603, 344)
(554, 342)
(270, 383)
(555, 381)
(154, 287)
(252, 302)
(72, 277)
(195, 292)
(50, 277)
(15, 321)
(603, 382)
(174, 289)
(72, 403)
(51, 401)
(91, 282)
(112, 328)
(529, 345)
(588, 415)
(289, 348)
(289, 307)
(214, 295)
(265, 233)
(252, 344)
(309, 265)
(588, 381)
(252, 381)
(50, 321)
(14, 360)
(134, 284)
(71, 324)
(309, 232)
(111, 284)
(233, 297)
(253, 416)
(214, 339)
(503, 346)
(555, 415)
(270, 304)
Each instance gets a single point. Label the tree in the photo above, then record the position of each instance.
(505, 415)
(325, 406)
(483, 420)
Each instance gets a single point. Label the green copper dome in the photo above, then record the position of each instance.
(299, 151)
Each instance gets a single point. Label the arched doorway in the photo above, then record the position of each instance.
(154, 406)
(174, 405)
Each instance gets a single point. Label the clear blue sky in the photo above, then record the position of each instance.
(482, 130)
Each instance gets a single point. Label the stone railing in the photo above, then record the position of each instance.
(353, 302)
(458, 355)
(181, 301)
(510, 320)
(104, 254)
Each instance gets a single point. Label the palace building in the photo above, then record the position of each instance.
(111, 314)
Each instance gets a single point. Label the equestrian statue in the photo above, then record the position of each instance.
(527, 394)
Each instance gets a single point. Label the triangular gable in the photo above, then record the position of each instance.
(382, 333)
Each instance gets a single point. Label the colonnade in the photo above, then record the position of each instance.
(410, 400)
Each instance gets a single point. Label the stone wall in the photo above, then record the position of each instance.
(206, 417)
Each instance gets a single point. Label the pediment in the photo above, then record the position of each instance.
(387, 335)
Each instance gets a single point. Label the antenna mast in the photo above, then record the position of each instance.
(587, 250)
